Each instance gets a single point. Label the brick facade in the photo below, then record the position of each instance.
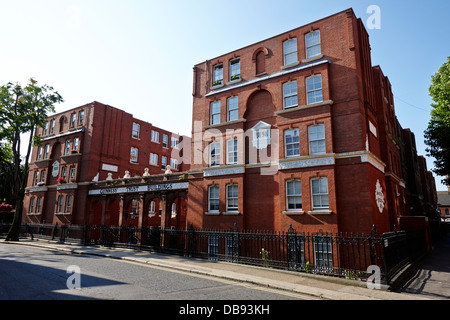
(85, 145)
(298, 129)
(359, 158)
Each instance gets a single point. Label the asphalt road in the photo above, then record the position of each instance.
(29, 273)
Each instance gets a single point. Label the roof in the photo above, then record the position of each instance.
(443, 198)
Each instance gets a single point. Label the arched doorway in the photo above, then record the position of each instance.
(261, 142)
(152, 213)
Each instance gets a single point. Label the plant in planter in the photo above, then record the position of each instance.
(4, 207)
(60, 180)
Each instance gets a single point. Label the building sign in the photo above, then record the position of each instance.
(55, 169)
(110, 167)
(379, 196)
(147, 188)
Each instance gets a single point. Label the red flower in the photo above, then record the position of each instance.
(4, 207)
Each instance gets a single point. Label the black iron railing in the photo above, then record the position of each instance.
(340, 255)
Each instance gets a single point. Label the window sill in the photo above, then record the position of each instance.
(313, 58)
(212, 213)
(287, 66)
(294, 212)
(62, 214)
(231, 213)
(325, 211)
(307, 106)
(34, 214)
(217, 86)
(231, 82)
(225, 123)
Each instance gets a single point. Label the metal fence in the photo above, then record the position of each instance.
(340, 255)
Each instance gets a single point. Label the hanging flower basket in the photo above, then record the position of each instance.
(4, 207)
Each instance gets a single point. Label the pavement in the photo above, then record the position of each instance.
(430, 280)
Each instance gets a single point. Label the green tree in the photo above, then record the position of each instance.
(437, 135)
(22, 110)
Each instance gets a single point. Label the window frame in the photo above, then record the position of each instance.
(152, 157)
(289, 95)
(314, 90)
(32, 204)
(286, 144)
(214, 111)
(59, 204)
(72, 172)
(68, 204)
(294, 196)
(132, 155)
(233, 62)
(163, 162)
(319, 194)
(46, 151)
(234, 153)
(80, 118)
(232, 108)
(165, 141)
(67, 147)
(43, 176)
(76, 144)
(39, 153)
(173, 164)
(286, 53)
(45, 129)
(215, 199)
(38, 205)
(136, 130)
(174, 142)
(52, 126)
(64, 173)
(218, 76)
(317, 140)
(309, 47)
(36, 178)
(216, 157)
(232, 198)
(154, 136)
(73, 120)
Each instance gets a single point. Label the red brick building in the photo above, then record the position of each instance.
(444, 204)
(300, 130)
(85, 146)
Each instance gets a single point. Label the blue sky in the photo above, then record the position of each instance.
(137, 55)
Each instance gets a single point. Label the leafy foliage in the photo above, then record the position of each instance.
(437, 135)
(22, 110)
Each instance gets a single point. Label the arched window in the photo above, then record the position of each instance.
(152, 207)
(174, 210)
(62, 120)
(260, 62)
(259, 57)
